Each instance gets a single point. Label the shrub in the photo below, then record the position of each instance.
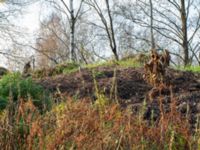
(19, 87)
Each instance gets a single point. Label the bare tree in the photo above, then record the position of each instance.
(172, 20)
(8, 28)
(136, 36)
(178, 30)
(52, 42)
(72, 13)
(107, 23)
(183, 29)
(73, 19)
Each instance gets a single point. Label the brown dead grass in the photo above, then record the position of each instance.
(83, 125)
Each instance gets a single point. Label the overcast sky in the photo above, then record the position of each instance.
(30, 19)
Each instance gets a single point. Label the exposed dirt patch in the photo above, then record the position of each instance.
(132, 89)
(130, 84)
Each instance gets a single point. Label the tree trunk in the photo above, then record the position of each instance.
(115, 53)
(72, 32)
(184, 32)
(72, 43)
(151, 24)
(113, 44)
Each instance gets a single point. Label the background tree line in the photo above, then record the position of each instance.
(86, 31)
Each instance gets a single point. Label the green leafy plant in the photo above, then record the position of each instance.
(23, 88)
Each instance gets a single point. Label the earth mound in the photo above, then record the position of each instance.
(132, 89)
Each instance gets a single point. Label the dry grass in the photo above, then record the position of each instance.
(83, 125)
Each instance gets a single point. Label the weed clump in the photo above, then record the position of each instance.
(155, 68)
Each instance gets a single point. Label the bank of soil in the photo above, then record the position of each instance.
(132, 89)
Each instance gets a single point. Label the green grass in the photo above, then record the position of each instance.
(121, 63)
(65, 68)
(195, 69)
(68, 68)
(129, 63)
(99, 64)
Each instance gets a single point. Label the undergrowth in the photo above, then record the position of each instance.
(82, 125)
(85, 124)
(16, 86)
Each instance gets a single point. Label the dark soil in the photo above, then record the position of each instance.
(132, 89)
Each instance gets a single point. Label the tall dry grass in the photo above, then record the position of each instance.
(82, 125)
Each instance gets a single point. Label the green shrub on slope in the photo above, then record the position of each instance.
(19, 87)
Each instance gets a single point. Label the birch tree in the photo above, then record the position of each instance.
(73, 16)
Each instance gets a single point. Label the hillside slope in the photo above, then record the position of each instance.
(132, 89)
